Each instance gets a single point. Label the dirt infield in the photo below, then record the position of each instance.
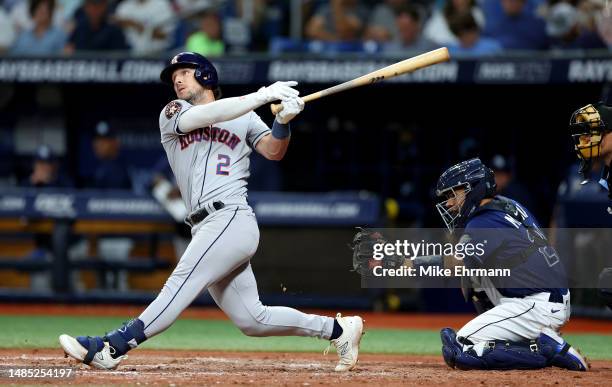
(147, 367)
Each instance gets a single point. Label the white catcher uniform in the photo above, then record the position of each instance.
(514, 319)
(211, 165)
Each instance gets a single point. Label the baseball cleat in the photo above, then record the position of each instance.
(347, 345)
(450, 346)
(560, 352)
(92, 351)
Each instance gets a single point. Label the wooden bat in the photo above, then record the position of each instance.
(406, 66)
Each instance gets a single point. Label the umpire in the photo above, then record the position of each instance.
(590, 128)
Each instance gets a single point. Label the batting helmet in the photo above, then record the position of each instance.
(205, 72)
(477, 181)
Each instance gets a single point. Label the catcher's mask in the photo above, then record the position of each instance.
(450, 208)
(462, 187)
(588, 125)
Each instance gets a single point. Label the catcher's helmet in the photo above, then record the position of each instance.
(205, 72)
(478, 182)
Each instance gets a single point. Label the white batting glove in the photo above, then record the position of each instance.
(277, 91)
(291, 108)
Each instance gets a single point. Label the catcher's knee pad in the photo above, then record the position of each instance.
(126, 337)
(503, 355)
(453, 353)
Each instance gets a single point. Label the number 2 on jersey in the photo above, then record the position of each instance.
(224, 161)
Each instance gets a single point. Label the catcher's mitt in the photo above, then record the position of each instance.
(363, 252)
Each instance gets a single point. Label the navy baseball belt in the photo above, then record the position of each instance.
(201, 214)
(556, 297)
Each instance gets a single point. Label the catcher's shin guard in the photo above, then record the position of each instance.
(450, 347)
(559, 352)
(507, 355)
(497, 355)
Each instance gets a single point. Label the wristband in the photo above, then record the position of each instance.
(280, 131)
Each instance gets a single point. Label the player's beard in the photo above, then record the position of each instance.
(195, 97)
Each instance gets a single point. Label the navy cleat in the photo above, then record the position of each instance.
(450, 346)
(559, 352)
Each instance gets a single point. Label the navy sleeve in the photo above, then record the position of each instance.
(486, 230)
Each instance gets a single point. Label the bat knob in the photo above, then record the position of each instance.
(276, 108)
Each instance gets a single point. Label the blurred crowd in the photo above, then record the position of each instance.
(216, 27)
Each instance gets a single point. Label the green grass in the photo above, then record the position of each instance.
(42, 332)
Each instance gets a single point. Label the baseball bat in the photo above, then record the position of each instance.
(406, 66)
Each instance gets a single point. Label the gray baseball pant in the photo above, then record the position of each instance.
(217, 259)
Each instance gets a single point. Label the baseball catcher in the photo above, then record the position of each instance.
(519, 315)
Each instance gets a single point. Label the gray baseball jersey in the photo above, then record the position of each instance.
(213, 164)
(210, 163)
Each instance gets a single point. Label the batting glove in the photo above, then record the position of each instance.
(291, 108)
(278, 91)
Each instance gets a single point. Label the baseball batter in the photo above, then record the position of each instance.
(208, 142)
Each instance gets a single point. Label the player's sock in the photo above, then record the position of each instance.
(337, 331)
(128, 337)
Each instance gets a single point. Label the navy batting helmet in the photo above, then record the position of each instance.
(477, 182)
(205, 72)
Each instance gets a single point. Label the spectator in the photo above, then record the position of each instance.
(22, 17)
(514, 24)
(111, 172)
(339, 21)
(207, 41)
(408, 22)
(567, 32)
(437, 28)
(191, 7)
(93, 32)
(381, 25)
(44, 38)
(46, 172)
(254, 23)
(507, 185)
(603, 24)
(147, 24)
(466, 29)
(7, 32)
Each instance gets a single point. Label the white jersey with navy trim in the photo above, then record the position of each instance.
(210, 163)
